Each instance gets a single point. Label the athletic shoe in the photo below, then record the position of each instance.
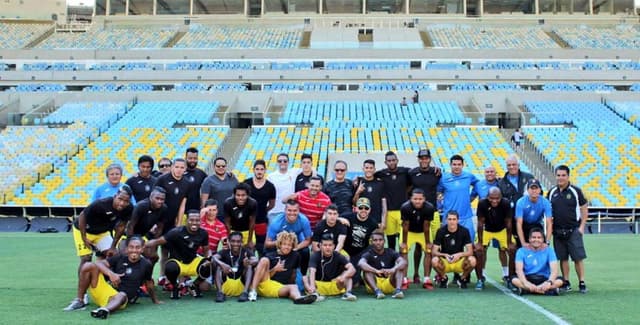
(405, 283)
(398, 294)
(162, 281)
(480, 285)
(428, 284)
(244, 297)
(184, 290)
(348, 296)
(462, 283)
(456, 279)
(552, 292)
(220, 297)
(101, 313)
(305, 300)
(444, 282)
(566, 286)
(583, 287)
(175, 294)
(253, 295)
(76, 304)
(379, 295)
(518, 291)
(195, 290)
(85, 299)
(319, 297)
(507, 283)
(416, 279)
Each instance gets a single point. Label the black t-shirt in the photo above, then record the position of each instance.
(302, 181)
(341, 194)
(183, 245)
(262, 196)
(100, 216)
(494, 218)
(240, 215)
(291, 264)
(177, 190)
(234, 261)
(135, 274)
(386, 260)
(141, 186)
(322, 228)
(359, 234)
(195, 177)
(144, 218)
(374, 191)
(328, 268)
(396, 184)
(565, 206)
(416, 217)
(452, 243)
(427, 181)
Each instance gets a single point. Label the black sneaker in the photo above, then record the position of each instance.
(456, 279)
(305, 300)
(462, 283)
(566, 286)
(552, 292)
(444, 282)
(220, 297)
(583, 287)
(175, 293)
(518, 291)
(244, 297)
(101, 313)
(195, 291)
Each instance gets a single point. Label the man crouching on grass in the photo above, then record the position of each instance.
(126, 274)
(537, 267)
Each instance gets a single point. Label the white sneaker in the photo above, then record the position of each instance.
(76, 304)
(319, 297)
(253, 295)
(85, 299)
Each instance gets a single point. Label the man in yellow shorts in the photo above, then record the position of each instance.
(383, 268)
(234, 269)
(417, 215)
(183, 243)
(330, 273)
(453, 252)
(275, 274)
(396, 184)
(126, 274)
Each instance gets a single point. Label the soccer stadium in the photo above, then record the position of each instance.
(86, 84)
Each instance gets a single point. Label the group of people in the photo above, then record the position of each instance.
(291, 234)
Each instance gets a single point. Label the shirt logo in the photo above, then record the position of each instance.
(147, 188)
(128, 271)
(393, 177)
(569, 196)
(369, 189)
(176, 191)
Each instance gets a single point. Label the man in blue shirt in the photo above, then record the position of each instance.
(295, 222)
(455, 189)
(481, 191)
(537, 267)
(531, 210)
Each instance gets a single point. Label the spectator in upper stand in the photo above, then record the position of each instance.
(416, 97)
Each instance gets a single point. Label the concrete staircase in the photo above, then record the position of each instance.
(527, 154)
(231, 147)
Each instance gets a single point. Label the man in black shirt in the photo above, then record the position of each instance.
(427, 177)
(340, 189)
(147, 219)
(126, 274)
(234, 270)
(276, 272)
(330, 225)
(142, 183)
(372, 188)
(417, 215)
(183, 244)
(240, 213)
(383, 268)
(361, 226)
(330, 272)
(302, 179)
(396, 184)
(264, 192)
(453, 251)
(195, 176)
(494, 222)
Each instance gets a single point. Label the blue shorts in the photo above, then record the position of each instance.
(468, 223)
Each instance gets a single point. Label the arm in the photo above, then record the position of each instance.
(119, 231)
(304, 244)
(270, 205)
(549, 228)
(405, 232)
(480, 229)
(520, 231)
(105, 268)
(341, 240)
(383, 222)
(269, 243)
(435, 251)
(364, 266)
(584, 215)
(82, 226)
(226, 268)
(426, 227)
(252, 226)
(292, 196)
(312, 279)
(181, 212)
(151, 291)
(203, 198)
(507, 222)
(131, 225)
(155, 242)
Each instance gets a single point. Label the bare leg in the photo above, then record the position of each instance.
(116, 301)
(88, 276)
(417, 255)
(579, 266)
(370, 279)
(262, 273)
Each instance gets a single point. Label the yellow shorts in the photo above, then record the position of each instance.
(245, 236)
(394, 223)
(416, 238)
(434, 225)
(453, 267)
(329, 288)
(103, 291)
(383, 284)
(101, 242)
(232, 287)
(190, 269)
(269, 288)
(500, 236)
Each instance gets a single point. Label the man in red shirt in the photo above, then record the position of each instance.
(312, 201)
(214, 227)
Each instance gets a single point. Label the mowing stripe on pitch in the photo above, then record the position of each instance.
(553, 317)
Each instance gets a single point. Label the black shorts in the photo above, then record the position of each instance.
(573, 246)
(538, 279)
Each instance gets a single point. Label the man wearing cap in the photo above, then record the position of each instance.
(396, 184)
(330, 273)
(361, 226)
(532, 211)
(372, 188)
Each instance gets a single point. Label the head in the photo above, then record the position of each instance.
(285, 242)
(533, 189)
(457, 163)
(536, 237)
(306, 161)
(418, 197)
(391, 159)
(193, 221)
(145, 166)
(315, 185)
(211, 208)
(178, 168)
(452, 220)
(114, 174)
(494, 196)
(291, 211)
(164, 166)
(340, 169)
(331, 214)
(259, 169)
(122, 198)
(490, 174)
(326, 244)
(235, 241)
(283, 162)
(157, 197)
(377, 240)
(220, 166)
(424, 158)
(364, 207)
(135, 247)
(369, 168)
(513, 165)
(191, 156)
(562, 175)
(241, 193)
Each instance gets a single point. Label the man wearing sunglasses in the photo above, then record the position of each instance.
(340, 189)
(361, 226)
(283, 179)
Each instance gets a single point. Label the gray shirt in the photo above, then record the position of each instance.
(219, 189)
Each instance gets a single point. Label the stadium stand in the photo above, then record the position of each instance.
(611, 37)
(112, 37)
(19, 35)
(489, 37)
(205, 36)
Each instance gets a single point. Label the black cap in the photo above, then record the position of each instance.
(424, 153)
(533, 182)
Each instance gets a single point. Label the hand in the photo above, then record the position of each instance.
(115, 278)
(340, 280)
(279, 267)
(545, 286)
(250, 245)
(455, 258)
(246, 262)
(226, 268)
(380, 273)
(344, 221)
(360, 188)
(154, 229)
(581, 230)
(477, 247)
(404, 249)
(382, 226)
(111, 252)
(88, 243)
(429, 248)
(437, 170)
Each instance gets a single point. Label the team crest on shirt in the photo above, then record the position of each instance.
(568, 196)
(452, 241)
(393, 177)
(176, 191)
(192, 179)
(382, 263)
(147, 188)
(369, 189)
(240, 215)
(191, 244)
(128, 271)
(456, 183)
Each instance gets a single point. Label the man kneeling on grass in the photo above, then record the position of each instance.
(126, 274)
(383, 268)
(275, 274)
(537, 267)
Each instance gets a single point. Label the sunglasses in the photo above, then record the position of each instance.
(363, 207)
(339, 170)
(164, 165)
(282, 161)
(221, 166)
